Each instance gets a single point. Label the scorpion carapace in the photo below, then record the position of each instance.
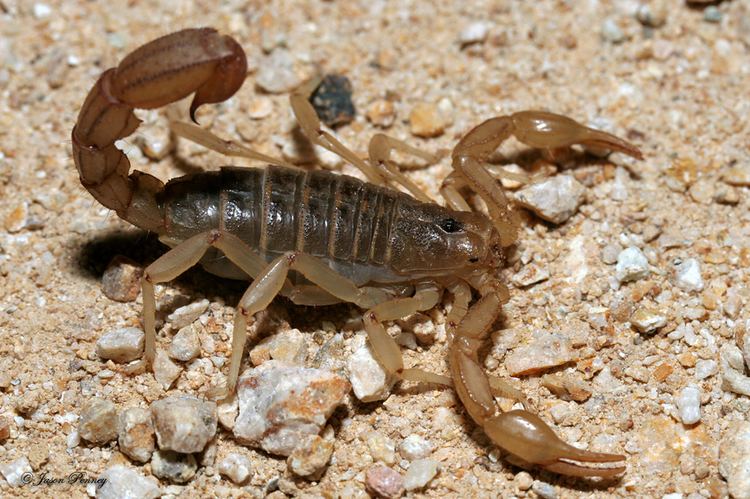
(321, 238)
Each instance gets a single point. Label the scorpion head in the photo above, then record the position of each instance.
(428, 239)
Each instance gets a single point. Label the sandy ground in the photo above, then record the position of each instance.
(679, 91)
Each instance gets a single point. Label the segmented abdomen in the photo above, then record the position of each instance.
(278, 209)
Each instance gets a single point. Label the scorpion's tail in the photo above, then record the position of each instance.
(165, 70)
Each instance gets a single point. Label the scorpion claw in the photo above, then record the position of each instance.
(528, 437)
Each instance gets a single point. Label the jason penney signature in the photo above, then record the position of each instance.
(44, 478)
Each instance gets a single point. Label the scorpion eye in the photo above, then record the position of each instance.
(450, 225)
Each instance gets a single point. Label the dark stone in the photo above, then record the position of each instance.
(332, 100)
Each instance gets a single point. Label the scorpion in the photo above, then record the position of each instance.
(318, 237)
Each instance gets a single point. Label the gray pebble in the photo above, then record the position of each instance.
(631, 265)
(98, 422)
(135, 434)
(236, 467)
(173, 466)
(712, 14)
(123, 482)
(184, 424)
(121, 345)
(185, 344)
(612, 32)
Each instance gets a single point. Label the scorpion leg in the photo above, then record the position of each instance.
(519, 432)
(380, 149)
(310, 125)
(211, 141)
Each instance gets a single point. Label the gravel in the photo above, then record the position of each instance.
(184, 424)
(236, 467)
(121, 345)
(98, 423)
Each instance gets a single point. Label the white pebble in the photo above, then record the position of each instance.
(165, 371)
(187, 314)
(555, 199)
(277, 74)
(705, 369)
(369, 381)
(689, 404)
(612, 32)
(415, 447)
(185, 344)
(688, 275)
(121, 345)
(184, 423)
(420, 473)
(236, 467)
(474, 33)
(734, 456)
(123, 482)
(41, 10)
(14, 471)
(631, 265)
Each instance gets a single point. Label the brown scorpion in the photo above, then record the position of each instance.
(319, 237)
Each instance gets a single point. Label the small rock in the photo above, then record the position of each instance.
(555, 199)
(631, 265)
(121, 280)
(38, 454)
(647, 319)
(544, 490)
(734, 456)
(288, 346)
(712, 14)
(689, 404)
(135, 434)
(260, 107)
(612, 32)
(688, 275)
(384, 481)
(173, 466)
(546, 351)
(185, 344)
(121, 345)
(41, 10)
(98, 423)
(4, 429)
(311, 456)
(165, 371)
(415, 447)
(332, 100)
(702, 191)
(369, 380)
(732, 305)
(567, 387)
(187, 314)
(381, 447)
(155, 141)
(14, 471)
(610, 253)
(425, 120)
(236, 467)
(281, 404)
(16, 219)
(277, 74)
(420, 473)
(705, 369)
(733, 371)
(184, 424)
(726, 194)
(530, 274)
(121, 482)
(523, 480)
(738, 176)
(475, 32)
(652, 14)
(381, 113)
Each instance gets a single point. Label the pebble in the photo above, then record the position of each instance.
(415, 447)
(555, 199)
(381, 113)
(420, 473)
(42, 10)
(122, 482)
(425, 120)
(475, 32)
(121, 345)
(259, 108)
(187, 314)
(705, 369)
(734, 456)
(4, 429)
(135, 434)
(156, 142)
(311, 456)
(15, 470)
(631, 265)
(652, 14)
(369, 380)
(688, 275)
(544, 490)
(733, 371)
(381, 447)
(610, 253)
(612, 32)
(689, 404)
(173, 466)
(702, 191)
(16, 219)
(236, 467)
(727, 194)
(566, 387)
(546, 351)
(277, 74)
(712, 14)
(332, 100)
(121, 280)
(280, 404)
(184, 423)
(185, 344)
(287, 346)
(165, 371)
(530, 274)
(732, 304)
(647, 319)
(738, 176)
(98, 423)
(523, 480)
(384, 481)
